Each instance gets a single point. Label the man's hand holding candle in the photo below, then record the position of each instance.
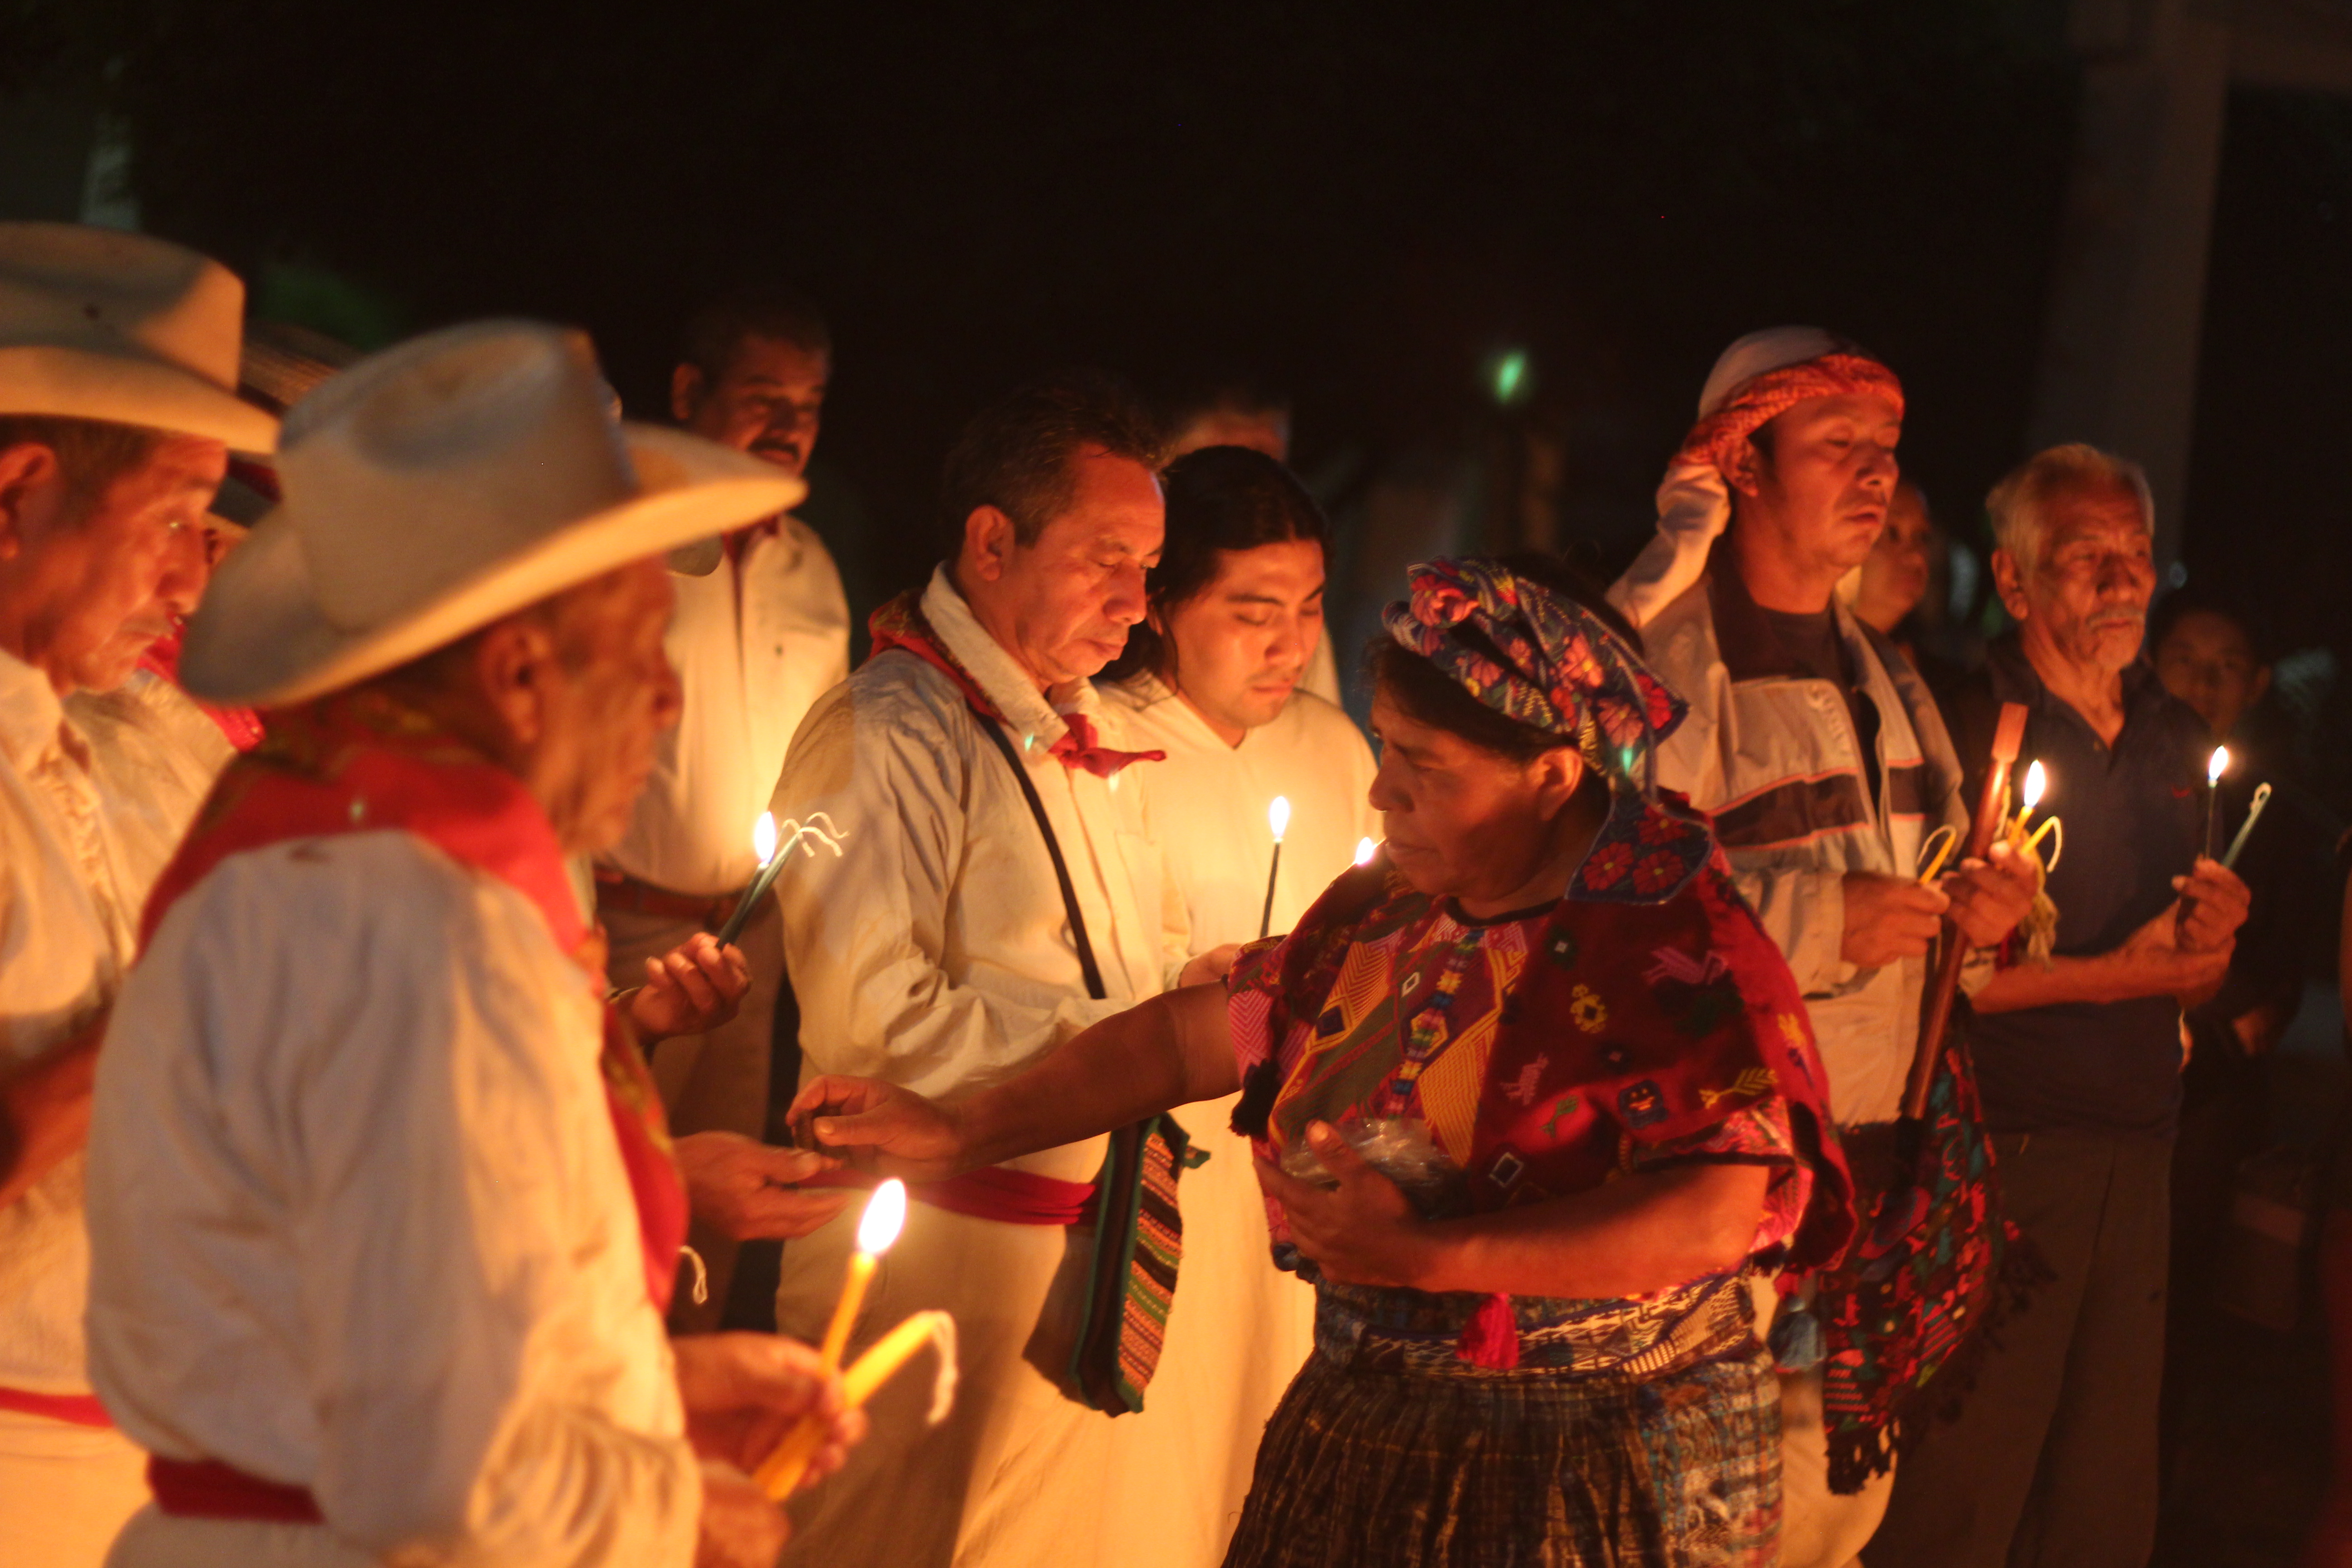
(693, 988)
(2213, 904)
(742, 1393)
(748, 1189)
(1990, 896)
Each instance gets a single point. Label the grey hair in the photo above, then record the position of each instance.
(2020, 505)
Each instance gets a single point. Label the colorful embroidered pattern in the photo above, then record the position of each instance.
(1563, 670)
(1384, 1003)
(1906, 1312)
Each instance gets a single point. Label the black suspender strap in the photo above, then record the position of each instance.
(995, 732)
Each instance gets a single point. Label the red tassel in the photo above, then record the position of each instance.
(1491, 1339)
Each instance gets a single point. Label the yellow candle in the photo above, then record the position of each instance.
(2035, 783)
(886, 1214)
(780, 1473)
(844, 1311)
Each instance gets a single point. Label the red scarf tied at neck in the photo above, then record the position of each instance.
(901, 623)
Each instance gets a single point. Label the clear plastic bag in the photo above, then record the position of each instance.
(1401, 1149)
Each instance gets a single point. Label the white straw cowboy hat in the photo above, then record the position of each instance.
(99, 324)
(439, 485)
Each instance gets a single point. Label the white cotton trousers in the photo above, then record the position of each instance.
(65, 1491)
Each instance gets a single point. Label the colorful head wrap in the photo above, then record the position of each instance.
(1561, 668)
(1790, 364)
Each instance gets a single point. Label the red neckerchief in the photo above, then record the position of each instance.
(358, 762)
(901, 623)
(161, 659)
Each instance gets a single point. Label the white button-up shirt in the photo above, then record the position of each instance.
(67, 918)
(934, 951)
(754, 643)
(360, 1223)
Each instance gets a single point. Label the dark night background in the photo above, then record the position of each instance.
(1358, 204)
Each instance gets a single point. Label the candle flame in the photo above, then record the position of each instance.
(1277, 816)
(763, 836)
(886, 1212)
(1365, 851)
(2218, 767)
(2036, 780)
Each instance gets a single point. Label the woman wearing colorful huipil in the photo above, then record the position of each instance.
(1533, 1099)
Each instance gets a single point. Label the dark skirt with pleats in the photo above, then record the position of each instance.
(1630, 1436)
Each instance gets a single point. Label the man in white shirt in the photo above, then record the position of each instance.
(1213, 677)
(754, 643)
(381, 1213)
(1234, 413)
(930, 942)
(117, 364)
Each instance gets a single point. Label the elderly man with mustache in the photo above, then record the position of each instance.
(2054, 1459)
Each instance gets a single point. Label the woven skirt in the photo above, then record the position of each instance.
(1383, 1455)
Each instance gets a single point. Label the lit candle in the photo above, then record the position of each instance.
(2213, 772)
(886, 1212)
(1365, 851)
(1277, 817)
(2035, 781)
(2253, 813)
(782, 1470)
(763, 845)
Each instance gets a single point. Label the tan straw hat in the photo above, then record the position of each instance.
(439, 485)
(100, 324)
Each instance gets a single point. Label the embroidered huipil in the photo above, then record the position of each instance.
(67, 912)
(1643, 1020)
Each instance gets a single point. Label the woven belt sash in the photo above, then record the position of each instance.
(1417, 1333)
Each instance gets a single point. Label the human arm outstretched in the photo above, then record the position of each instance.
(1171, 1050)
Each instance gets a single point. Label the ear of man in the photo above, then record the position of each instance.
(2009, 582)
(687, 388)
(28, 472)
(989, 540)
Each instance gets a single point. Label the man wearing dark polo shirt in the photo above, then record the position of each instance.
(2054, 1459)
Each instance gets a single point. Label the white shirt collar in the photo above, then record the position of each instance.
(998, 674)
(32, 719)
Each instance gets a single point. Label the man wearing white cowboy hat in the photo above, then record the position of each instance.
(383, 1213)
(117, 364)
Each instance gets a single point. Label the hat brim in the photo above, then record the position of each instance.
(129, 389)
(260, 639)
